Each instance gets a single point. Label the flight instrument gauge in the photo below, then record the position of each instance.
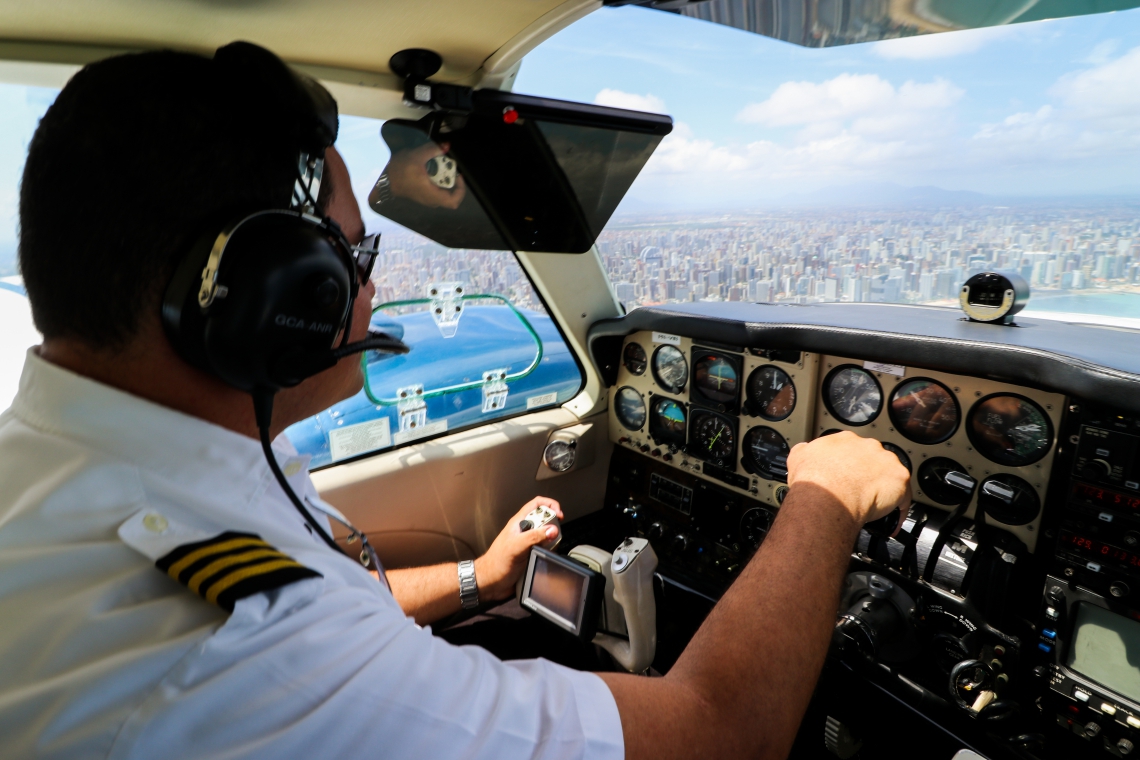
(629, 408)
(765, 453)
(898, 452)
(924, 410)
(1009, 499)
(712, 438)
(852, 395)
(932, 480)
(754, 526)
(771, 393)
(716, 380)
(667, 422)
(1010, 430)
(670, 369)
(634, 359)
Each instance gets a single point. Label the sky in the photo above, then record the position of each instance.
(1043, 109)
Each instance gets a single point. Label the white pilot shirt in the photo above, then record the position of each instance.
(102, 655)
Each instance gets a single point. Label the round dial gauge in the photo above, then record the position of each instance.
(932, 480)
(714, 377)
(771, 393)
(560, 455)
(712, 438)
(670, 369)
(925, 411)
(667, 421)
(754, 525)
(634, 358)
(766, 453)
(629, 408)
(898, 452)
(1010, 430)
(852, 395)
(1009, 499)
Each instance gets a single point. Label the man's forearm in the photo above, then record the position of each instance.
(426, 594)
(431, 593)
(741, 686)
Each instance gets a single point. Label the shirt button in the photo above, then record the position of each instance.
(155, 523)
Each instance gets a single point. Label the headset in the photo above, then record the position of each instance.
(258, 300)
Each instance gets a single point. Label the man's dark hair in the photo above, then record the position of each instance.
(139, 156)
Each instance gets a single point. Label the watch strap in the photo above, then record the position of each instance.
(468, 588)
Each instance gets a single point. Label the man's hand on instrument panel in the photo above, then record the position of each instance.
(498, 569)
(863, 476)
(408, 178)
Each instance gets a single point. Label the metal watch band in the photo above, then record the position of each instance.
(383, 190)
(468, 588)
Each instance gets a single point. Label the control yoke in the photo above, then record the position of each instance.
(629, 605)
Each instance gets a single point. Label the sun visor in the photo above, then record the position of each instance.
(513, 172)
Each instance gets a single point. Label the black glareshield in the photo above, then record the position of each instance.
(537, 174)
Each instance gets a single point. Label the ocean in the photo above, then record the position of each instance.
(1109, 304)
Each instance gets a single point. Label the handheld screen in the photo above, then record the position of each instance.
(563, 591)
(1106, 649)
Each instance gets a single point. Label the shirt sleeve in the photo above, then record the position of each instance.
(342, 673)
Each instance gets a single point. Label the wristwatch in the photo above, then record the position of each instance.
(468, 588)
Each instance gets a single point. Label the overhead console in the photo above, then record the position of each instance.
(1006, 610)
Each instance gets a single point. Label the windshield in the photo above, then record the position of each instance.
(881, 172)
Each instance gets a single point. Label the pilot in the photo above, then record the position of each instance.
(160, 596)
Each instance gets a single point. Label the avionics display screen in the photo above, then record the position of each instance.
(556, 591)
(1106, 649)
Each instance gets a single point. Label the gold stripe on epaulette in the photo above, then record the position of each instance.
(206, 551)
(232, 566)
(246, 572)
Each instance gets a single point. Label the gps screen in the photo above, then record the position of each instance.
(1106, 649)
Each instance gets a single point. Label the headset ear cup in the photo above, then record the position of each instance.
(182, 318)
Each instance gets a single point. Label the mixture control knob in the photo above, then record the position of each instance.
(1092, 729)
(656, 452)
(1124, 747)
(644, 449)
(680, 542)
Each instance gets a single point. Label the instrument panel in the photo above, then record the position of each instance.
(731, 415)
(724, 413)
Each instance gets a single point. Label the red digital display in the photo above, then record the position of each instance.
(1105, 497)
(1094, 548)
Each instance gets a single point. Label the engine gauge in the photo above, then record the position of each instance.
(924, 410)
(629, 408)
(667, 422)
(712, 438)
(1010, 429)
(932, 480)
(1009, 499)
(754, 526)
(716, 380)
(560, 455)
(771, 393)
(634, 358)
(765, 453)
(670, 369)
(898, 452)
(852, 395)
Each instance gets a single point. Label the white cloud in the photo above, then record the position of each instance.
(1102, 53)
(1107, 93)
(630, 101)
(862, 104)
(940, 45)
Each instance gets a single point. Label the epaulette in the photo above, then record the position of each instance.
(232, 566)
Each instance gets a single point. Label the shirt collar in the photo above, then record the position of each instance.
(178, 447)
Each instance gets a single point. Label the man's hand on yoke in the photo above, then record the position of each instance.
(498, 569)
